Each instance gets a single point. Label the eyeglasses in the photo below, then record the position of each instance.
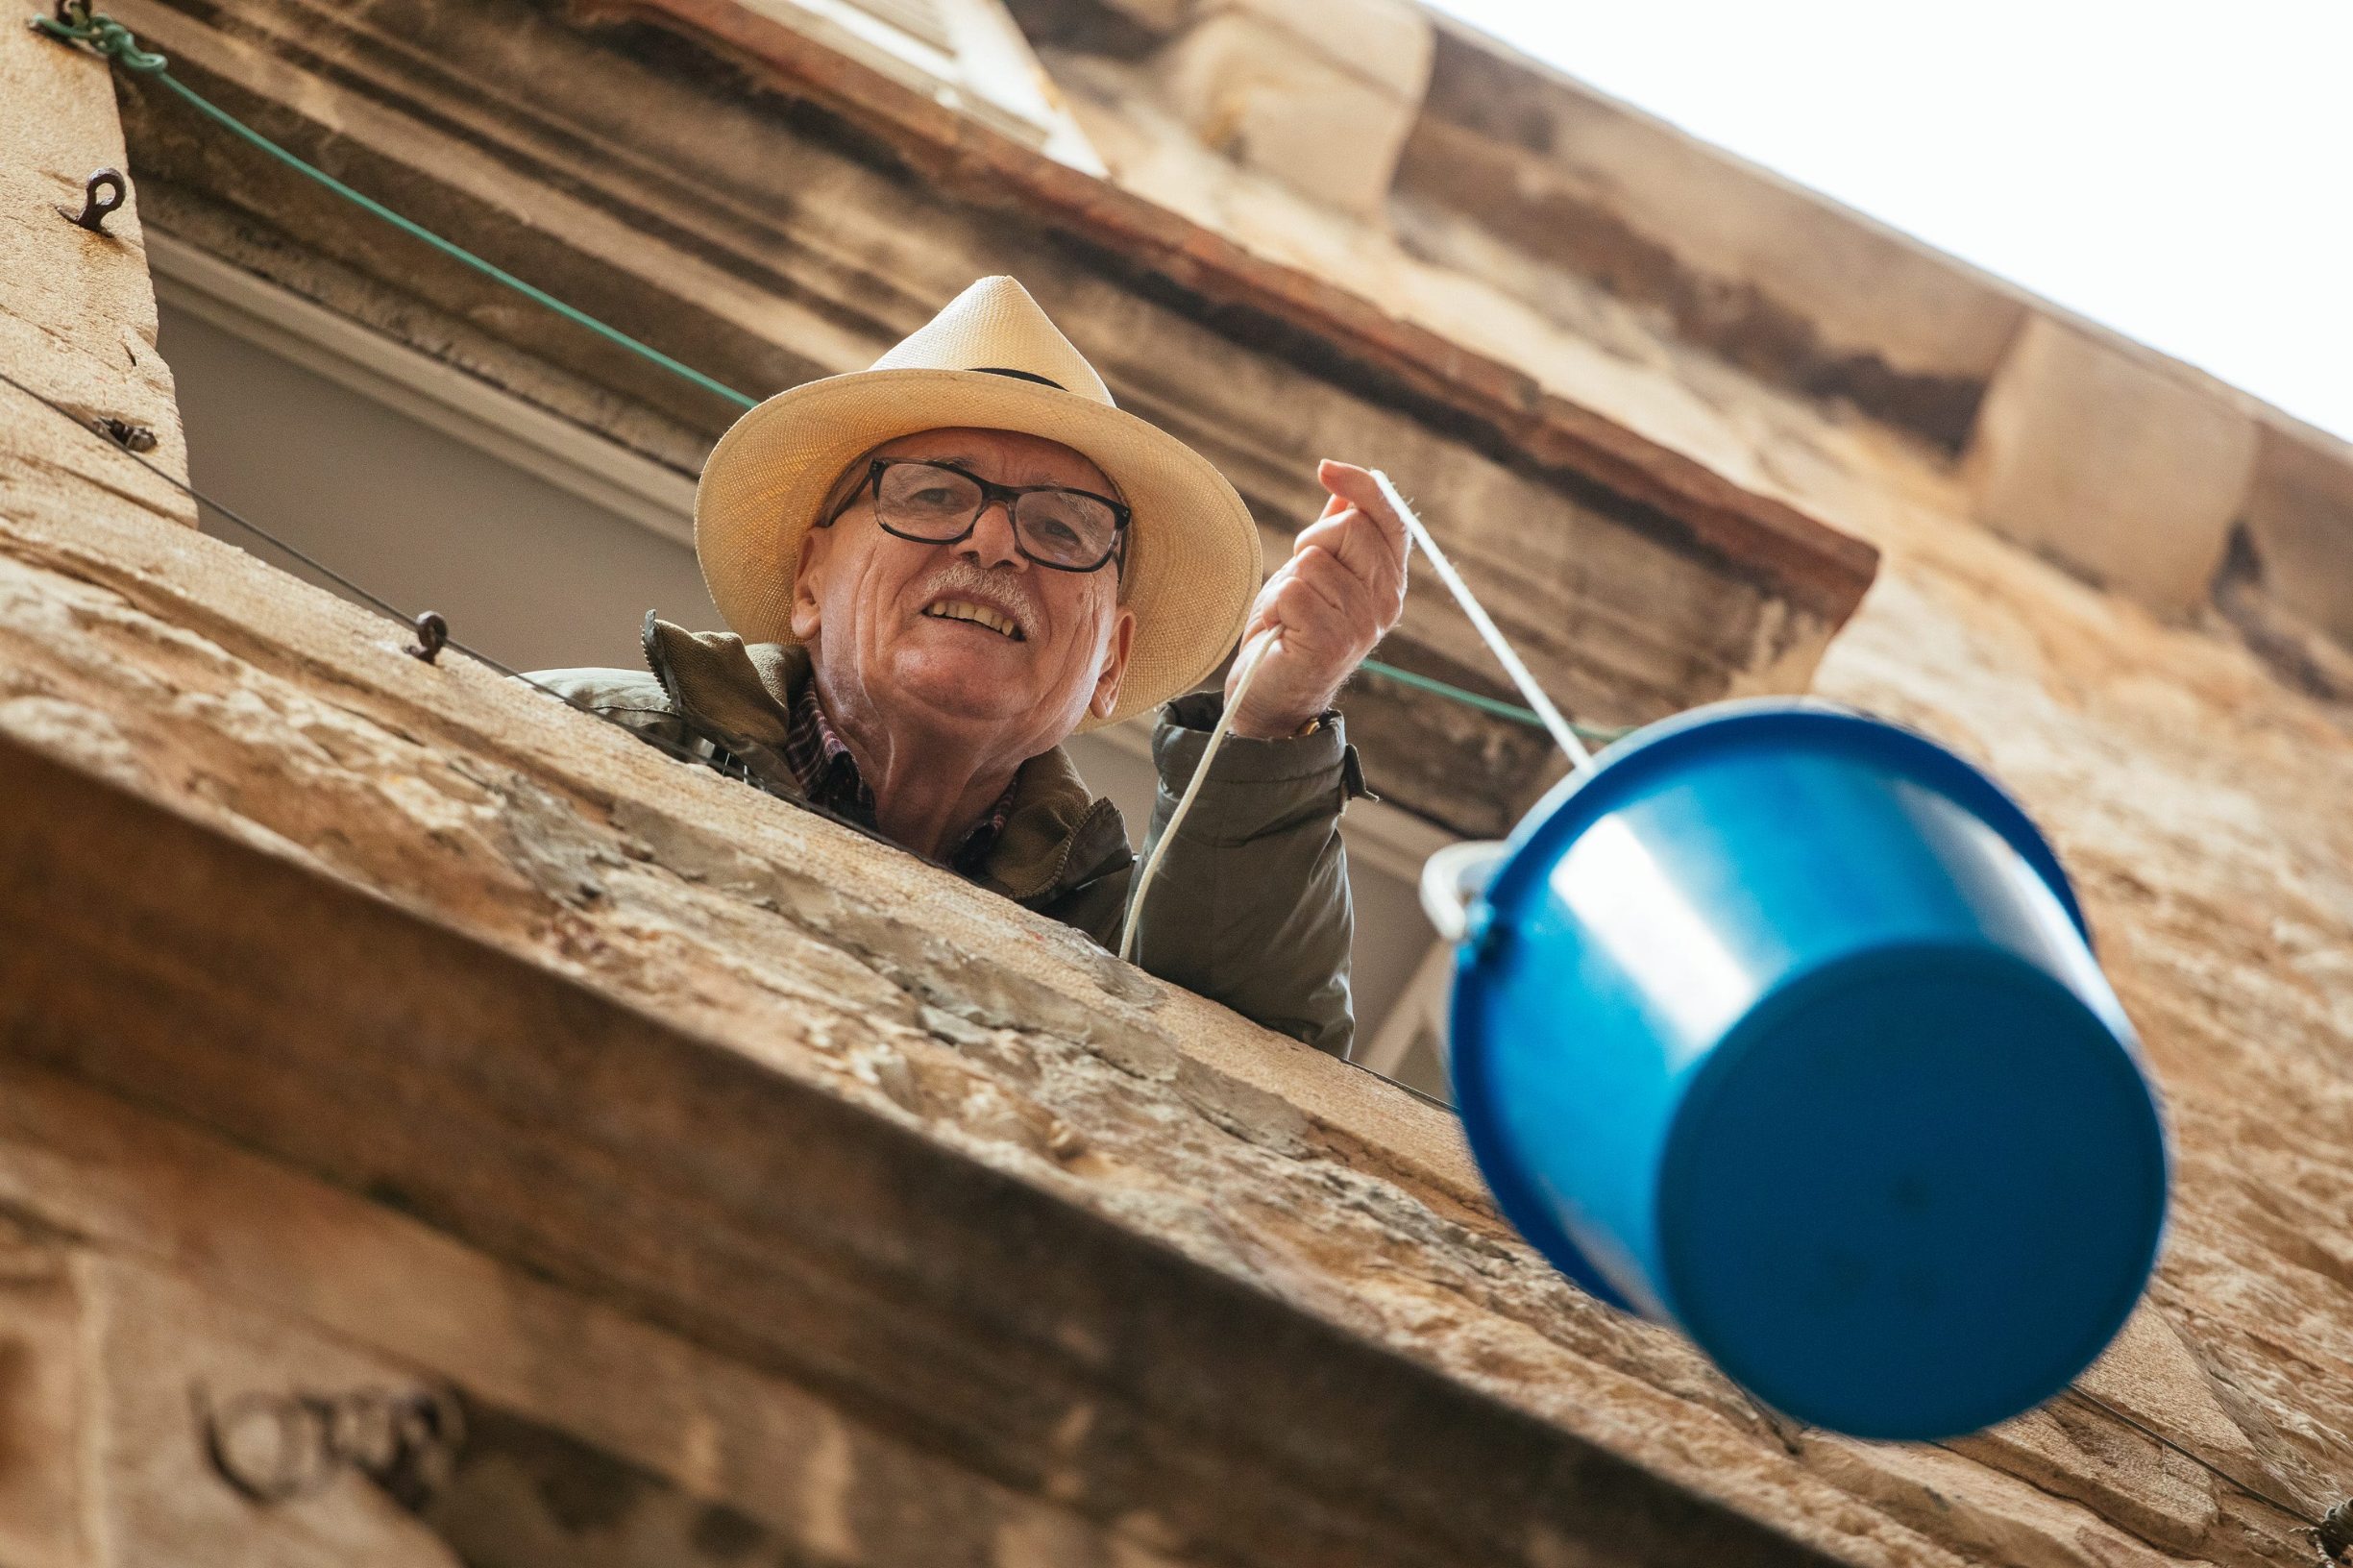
(938, 504)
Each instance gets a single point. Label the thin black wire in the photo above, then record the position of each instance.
(377, 602)
(1423, 1095)
(320, 567)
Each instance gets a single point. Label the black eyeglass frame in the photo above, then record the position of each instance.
(991, 493)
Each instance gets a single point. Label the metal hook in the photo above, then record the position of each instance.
(95, 210)
(126, 436)
(298, 1461)
(2335, 1532)
(433, 635)
(272, 1448)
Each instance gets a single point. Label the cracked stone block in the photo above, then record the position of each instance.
(1318, 96)
(2299, 520)
(2087, 451)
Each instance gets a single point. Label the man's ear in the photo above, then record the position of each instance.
(809, 580)
(1115, 664)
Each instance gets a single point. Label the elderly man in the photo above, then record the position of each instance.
(942, 566)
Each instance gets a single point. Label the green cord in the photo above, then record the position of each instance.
(111, 38)
(74, 23)
(1598, 735)
(77, 24)
(458, 252)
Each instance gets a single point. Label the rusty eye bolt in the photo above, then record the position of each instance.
(103, 195)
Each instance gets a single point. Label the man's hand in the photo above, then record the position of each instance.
(1340, 592)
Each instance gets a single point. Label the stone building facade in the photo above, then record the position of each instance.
(436, 1129)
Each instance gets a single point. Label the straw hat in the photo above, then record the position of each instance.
(990, 360)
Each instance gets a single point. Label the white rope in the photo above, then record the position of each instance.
(1254, 655)
(1251, 658)
(1562, 734)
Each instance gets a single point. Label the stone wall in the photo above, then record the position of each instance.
(434, 1126)
(388, 925)
(1592, 242)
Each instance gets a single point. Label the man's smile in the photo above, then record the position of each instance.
(976, 614)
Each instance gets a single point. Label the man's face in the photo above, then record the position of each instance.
(888, 622)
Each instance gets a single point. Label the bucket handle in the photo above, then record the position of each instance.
(1453, 877)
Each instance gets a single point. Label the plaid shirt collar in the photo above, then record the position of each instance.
(828, 776)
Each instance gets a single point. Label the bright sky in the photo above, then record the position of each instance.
(2182, 172)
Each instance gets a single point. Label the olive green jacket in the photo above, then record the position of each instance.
(1250, 909)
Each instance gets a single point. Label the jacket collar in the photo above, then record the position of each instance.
(1058, 835)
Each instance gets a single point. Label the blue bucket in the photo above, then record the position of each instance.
(1782, 1025)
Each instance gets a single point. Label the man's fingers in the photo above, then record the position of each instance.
(1263, 609)
(1319, 581)
(1328, 529)
(1370, 605)
(1349, 481)
(1279, 599)
(1324, 609)
(1342, 588)
(1359, 546)
(1353, 536)
(1356, 485)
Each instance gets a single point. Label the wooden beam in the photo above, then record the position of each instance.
(227, 1248)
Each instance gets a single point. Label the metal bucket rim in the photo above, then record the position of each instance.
(1553, 822)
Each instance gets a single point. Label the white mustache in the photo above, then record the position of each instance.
(1004, 589)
